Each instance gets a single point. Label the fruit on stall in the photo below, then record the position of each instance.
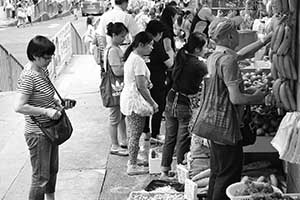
(265, 119)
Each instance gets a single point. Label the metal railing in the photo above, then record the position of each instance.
(10, 69)
(77, 43)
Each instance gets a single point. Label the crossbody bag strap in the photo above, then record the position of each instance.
(108, 67)
(61, 99)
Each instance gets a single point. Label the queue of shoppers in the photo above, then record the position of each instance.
(155, 79)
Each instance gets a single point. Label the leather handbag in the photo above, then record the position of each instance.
(57, 131)
(217, 117)
(111, 86)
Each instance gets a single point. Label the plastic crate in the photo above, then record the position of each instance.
(182, 173)
(230, 191)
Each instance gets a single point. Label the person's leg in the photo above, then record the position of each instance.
(40, 156)
(214, 167)
(113, 127)
(145, 144)
(230, 160)
(50, 187)
(135, 128)
(50, 196)
(122, 131)
(184, 114)
(170, 142)
(135, 125)
(159, 96)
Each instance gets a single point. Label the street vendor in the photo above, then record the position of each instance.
(202, 19)
(226, 160)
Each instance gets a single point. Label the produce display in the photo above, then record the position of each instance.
(265, 119)
(155, 196)
(271, 180)
(202, 179)
(274, 196)
(281, 53)
(254, 188)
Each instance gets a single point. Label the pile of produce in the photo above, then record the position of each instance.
(254, 188)
(265, 119)
(281, 53)
(202, 178)
(155, 196)
(274, 196)
(270, 180)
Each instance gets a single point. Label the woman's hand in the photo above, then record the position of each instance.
(53, 113)
(150, 85)
(68, 103)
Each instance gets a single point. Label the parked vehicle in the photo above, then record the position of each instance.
(92, 7)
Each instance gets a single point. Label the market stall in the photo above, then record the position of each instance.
(293, 170)
(270, 168)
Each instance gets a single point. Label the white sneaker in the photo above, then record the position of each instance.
(136, 170)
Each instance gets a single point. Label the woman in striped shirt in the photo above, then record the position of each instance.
(35, 97)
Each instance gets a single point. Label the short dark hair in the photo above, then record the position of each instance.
(119, 2)
(155, 27)
(39, 46)
(172, 3)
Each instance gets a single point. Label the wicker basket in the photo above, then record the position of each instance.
(231, 190)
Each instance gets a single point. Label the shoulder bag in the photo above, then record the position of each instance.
(111, 86)
(57, 131)
(217, 118)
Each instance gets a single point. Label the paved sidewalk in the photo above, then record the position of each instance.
(83, 158)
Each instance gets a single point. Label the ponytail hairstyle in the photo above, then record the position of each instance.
(116, 28)
(195, 40)
(166, 17)
(143, 38)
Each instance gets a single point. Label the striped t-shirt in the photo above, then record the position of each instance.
(41, 94)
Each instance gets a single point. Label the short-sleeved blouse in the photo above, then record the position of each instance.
(41, 94)
(134, 66)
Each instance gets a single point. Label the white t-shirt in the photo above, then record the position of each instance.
(117, 15)
(142, 20)
(134, 66)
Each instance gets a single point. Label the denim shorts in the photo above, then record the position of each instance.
(44, 162)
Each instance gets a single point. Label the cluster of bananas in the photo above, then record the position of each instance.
(287, 6)
(283, 91)
(283, 69)
(280, 53)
